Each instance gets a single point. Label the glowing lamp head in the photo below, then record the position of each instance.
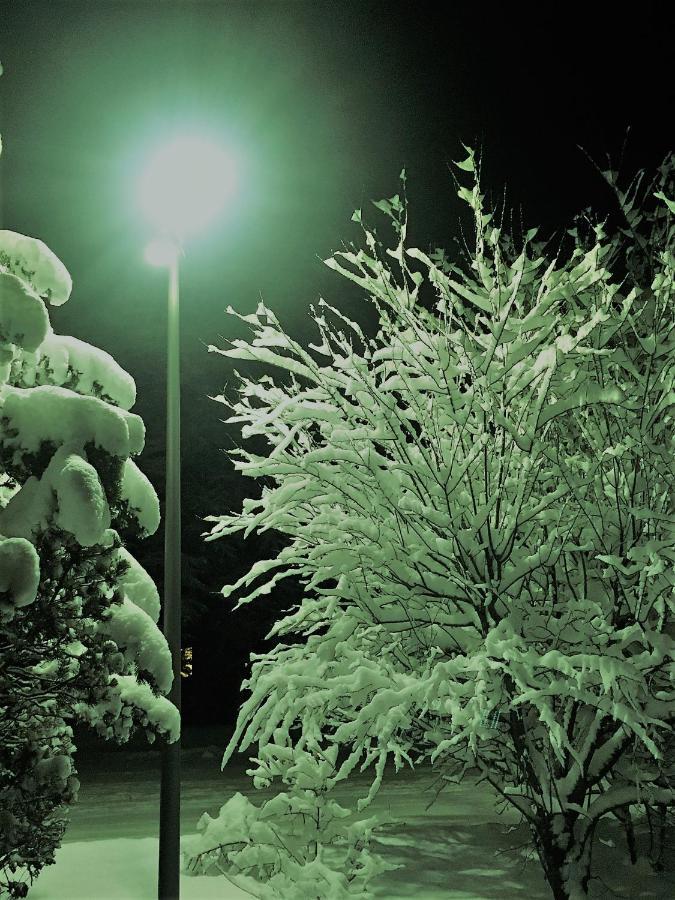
(162, 252)
(185, 185)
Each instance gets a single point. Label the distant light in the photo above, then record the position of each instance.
(186, 662)
(185, 185)
(161, 252)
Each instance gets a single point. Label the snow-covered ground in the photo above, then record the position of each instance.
(119, 869)
(456, 850)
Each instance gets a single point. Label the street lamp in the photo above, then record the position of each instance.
(182, 189)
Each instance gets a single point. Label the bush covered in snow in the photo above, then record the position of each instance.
(78, 635)
(296, 845)
(479, 502)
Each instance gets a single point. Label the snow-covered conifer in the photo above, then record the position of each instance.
(78, 635)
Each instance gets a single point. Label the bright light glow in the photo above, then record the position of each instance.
(161, 252)
(185, 185)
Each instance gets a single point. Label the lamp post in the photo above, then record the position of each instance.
(169, 799)
(183, 187)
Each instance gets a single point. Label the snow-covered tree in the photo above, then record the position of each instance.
(296, 845)
(479, 502)
(78, 635)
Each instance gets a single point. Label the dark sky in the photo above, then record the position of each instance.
(323, 103)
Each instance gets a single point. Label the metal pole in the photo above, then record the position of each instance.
(169, 800)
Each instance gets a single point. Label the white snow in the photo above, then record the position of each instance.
(23, 317)
(119, 869)
(69, 494)
(454, 850)
(6, 359)
(141, 496)
(126, 694)
(32, 261)
(55, 414)
(138, 586)
(158, 710)
(136, 634)
(82, 508)
(47, 668)
(64, 360)
(19, 574)
(28, 511)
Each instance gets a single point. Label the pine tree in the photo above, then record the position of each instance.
(78, 636)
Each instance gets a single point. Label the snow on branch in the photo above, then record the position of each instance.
(32, 261)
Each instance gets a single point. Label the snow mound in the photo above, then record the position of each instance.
(115, 711)
(19, 575)
(59, 416)
(23, 317)
(69, 494)
(158, 710)
(6, 359)
(28, 511)
(135, 633)
(120, 869)
(64, 360)
(141, 497)
(82, 505)
(138, 586)
(33, 262)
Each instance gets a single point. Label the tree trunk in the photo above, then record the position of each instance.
(566, 865)
(624, 816)
(657, 816)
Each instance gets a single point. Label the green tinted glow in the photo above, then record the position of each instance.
(185, 185)
(161, 252)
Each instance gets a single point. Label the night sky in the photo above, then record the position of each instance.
(322, 103)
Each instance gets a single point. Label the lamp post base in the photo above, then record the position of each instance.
(169, 819)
